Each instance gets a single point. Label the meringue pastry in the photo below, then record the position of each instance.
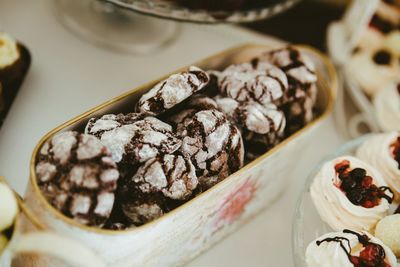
(387, 107)
(349, 193)
(382, 151)
(348, 249)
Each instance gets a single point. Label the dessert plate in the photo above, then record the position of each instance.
(307, 224)
(169, 10)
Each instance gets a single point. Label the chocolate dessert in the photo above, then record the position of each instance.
(185, 135)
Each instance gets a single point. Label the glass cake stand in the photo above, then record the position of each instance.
(170, 10)
(142, 26)
(114, 28)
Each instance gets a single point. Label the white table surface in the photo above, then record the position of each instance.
(68, 76)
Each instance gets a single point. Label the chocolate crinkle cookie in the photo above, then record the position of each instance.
(140, 208)
(78, 177)
(161, 180)
(300, 99)
(194, 104)
(108, 122)
(258, 81)
(173, 175)
(264, 123)
(213, 144)
(137, 141)
(172, 91)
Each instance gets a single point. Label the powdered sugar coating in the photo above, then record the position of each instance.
(258, 81)
(138, 141)
(108, 122)
(173, 175)
(172, 91)
(194, 104)
(211, 142)
(294, 63)
(141, 213)
(78, 177)
(300, 99)
(252, 117)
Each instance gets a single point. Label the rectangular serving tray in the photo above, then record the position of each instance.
(182, 234)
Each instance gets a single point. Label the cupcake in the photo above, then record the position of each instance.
(349, 193)
(383, 152)
(349, 248)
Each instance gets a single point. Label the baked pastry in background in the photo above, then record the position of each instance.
(387, 107)
(375, 61)
(15, 60)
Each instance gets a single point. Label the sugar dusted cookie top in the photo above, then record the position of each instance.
(172, 91)
(78, 177)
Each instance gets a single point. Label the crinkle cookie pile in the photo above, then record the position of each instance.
(185, 135)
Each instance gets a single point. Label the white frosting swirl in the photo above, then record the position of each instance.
(377, 151)
(331, 254)
(8, 50)
(333, 205)
(387, 108)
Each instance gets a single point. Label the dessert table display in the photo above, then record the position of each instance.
(348, 212)
(69, 76)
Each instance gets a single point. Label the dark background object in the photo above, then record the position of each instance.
(305, 23)
(11, 79)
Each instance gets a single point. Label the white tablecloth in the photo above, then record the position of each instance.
(68, 76)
